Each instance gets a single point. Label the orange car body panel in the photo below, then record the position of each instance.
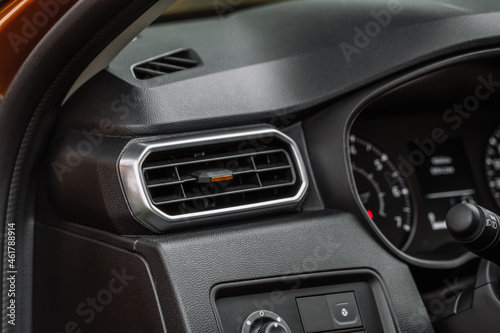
(23, 23)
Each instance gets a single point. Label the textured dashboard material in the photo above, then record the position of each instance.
(187, 266)
(271, 61)
(279, 64)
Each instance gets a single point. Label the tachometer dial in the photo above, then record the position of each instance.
(384, 193)
(492, 164)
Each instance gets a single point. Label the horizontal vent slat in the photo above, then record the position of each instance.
(157, 183)
(206, 159)
(160, 182)
(163, 201)
(228, 201)
(180, 61)
(147, 71)
(166, 68)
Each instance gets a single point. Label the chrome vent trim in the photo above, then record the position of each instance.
(146, 206)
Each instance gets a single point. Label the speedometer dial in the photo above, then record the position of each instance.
(384, 194)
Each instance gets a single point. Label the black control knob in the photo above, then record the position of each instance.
(264, 321)
(273, 327)
(476, 228)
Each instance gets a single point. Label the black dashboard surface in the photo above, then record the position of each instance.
(281, 65)
(276, 60)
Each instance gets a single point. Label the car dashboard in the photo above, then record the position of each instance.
(286, 166)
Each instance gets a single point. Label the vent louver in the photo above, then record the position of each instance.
(166, 64)
(210, 176)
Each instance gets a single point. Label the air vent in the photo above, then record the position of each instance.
(204, 178)
(166, 64)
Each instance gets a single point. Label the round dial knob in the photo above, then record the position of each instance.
(264, 321)
(273, 327)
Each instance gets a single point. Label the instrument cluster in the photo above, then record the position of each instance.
(411, 166)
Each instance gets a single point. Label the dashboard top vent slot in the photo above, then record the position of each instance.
(202, 177)
(168, 63)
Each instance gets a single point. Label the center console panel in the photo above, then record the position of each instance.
(347, 301)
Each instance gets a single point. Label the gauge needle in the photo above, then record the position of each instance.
(365, 196)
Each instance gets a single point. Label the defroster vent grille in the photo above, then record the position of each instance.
(166, 64)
